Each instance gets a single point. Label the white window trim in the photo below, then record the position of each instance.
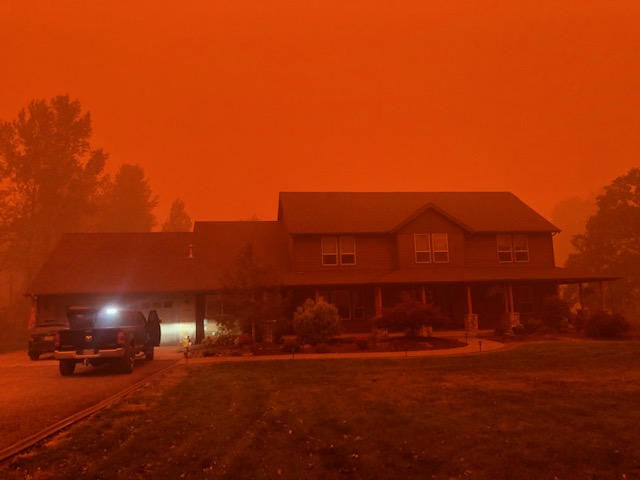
(339, 252)
(512, 248)
(434, 251)
(415, 247)
(336, 253)
(515, 251)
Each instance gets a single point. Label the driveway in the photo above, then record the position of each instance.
(34, 395)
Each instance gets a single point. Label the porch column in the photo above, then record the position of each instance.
(511, 307)
(603, 305)
(580, 294)
(378, 301)
(200, 313)
(423, 295)
(470, 318)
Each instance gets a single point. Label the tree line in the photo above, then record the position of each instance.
(52, 182)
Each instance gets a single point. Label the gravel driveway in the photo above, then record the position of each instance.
(33, 395)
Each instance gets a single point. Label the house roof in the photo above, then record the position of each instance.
(382, 212)
(157, 262)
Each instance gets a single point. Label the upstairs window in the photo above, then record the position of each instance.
(329, 251)
(431, 247)
(440, 243)
(422, 247)
(338, 248)
(347, 250)
(505, 250)
(521, 248)
(513, 248)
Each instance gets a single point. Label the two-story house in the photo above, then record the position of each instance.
(483, 258)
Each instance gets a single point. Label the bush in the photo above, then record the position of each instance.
(555, 312)
(409, 316)
(322, 348)
(290, 347)
(605, 325)
(316, 322)
(362, 344)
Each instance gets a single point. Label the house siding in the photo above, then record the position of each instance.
(430, 222)
(372, 251)
(481, 249)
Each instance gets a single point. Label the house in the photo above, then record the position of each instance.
(485, 259)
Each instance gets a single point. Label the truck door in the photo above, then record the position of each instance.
(153, 328)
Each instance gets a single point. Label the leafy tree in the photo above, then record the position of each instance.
(128, 202)
(316, 322)
(409, 316)
(611, 242)
(570, 215)
(178, 220)
(51, 180)
(555, 312)
(252, 294)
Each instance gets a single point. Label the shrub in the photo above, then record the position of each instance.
(409, 316)
(290, 347)
(362, 344)
(316, 322)
(605, 325)
(555, 312)
(322, 348)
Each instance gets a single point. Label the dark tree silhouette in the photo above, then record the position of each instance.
(611, 242)
(178, 220)
(128, 202)
(51, 179)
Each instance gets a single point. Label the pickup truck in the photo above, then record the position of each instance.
(108, 335)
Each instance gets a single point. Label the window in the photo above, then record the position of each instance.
(513, 248)
(426, 245)
(343, 248)
(347, 250)
(422, 247)
(521, 248)
(440, 243)
(505, 253)
(329, 251)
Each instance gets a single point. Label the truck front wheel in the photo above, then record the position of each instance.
(67, 367)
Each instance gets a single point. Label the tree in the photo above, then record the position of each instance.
(316, 322)
(51, 180)
(128, 202)
(178, 220)
(611, 243)
(252, 294)
(570, 216)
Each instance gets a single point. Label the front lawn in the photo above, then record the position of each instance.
(566, 410)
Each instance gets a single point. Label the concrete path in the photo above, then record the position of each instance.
(474, 346)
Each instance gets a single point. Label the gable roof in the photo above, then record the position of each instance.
(383, 212)
(158, 261)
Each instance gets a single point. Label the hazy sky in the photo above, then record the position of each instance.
(226, 103)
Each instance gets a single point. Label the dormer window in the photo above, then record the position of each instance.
(338, 248)
(431, 247)
(422, 247)
(513, 248)
(440, 243)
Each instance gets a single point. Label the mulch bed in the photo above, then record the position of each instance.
(341, 345)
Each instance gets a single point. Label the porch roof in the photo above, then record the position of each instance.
(445, 274)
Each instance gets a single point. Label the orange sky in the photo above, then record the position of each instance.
(226, 103)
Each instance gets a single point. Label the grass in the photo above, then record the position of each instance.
(546, 410)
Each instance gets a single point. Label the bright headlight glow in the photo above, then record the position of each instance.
(111, 310)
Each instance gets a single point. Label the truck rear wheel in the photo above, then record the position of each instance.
(125, 364)
(67, 367)
(149, 353)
